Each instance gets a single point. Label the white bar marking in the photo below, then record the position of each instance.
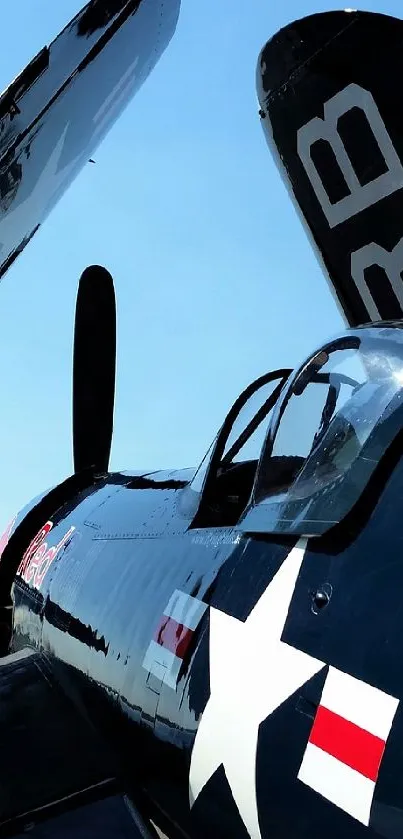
(360, 703)
(340, 784)
(185, 609)
(162, 663)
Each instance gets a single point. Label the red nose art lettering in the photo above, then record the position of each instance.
(49, 556)
(32, 547)
(39, 557)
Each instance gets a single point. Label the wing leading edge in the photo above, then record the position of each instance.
(57, 111)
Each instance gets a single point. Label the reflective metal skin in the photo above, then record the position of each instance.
(328, 87)
(217, 652)
(57, 111)
(128, 633)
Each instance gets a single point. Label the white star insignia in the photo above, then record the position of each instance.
(252, 672)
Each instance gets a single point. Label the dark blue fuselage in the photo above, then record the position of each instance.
(99, 607)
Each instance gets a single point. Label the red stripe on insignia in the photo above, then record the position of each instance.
(347, 742)
(173, 636)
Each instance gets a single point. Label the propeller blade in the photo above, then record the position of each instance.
(94, 368)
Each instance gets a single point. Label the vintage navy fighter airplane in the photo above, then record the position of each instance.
(217, 652)
(57, 111)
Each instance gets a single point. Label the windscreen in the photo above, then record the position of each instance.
(336, 421)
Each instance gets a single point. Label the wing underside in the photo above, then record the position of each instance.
(57, 111)
(57, 777)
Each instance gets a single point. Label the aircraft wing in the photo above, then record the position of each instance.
(103, 819)
(60, 779)
(57, 111)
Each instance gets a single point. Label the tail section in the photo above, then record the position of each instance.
(330, 88)
(57, 111)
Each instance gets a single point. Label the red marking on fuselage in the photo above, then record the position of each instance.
(32, 547)
(173, 636)
(347, 742)
(38, 557)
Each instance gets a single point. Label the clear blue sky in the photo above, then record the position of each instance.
(215, 278)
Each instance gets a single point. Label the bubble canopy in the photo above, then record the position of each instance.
(334, 422)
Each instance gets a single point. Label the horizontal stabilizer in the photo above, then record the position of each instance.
(329, 88)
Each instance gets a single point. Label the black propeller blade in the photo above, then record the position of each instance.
(94, 370)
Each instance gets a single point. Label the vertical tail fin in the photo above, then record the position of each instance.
(330, 88)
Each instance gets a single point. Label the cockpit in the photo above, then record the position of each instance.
(298, 448)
